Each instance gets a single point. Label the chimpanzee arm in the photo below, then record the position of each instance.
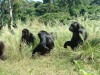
(36, 50)
(84, 33)
(68, 43)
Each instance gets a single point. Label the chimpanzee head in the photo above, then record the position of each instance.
(74, 27)
(25, 32)
(42, 33)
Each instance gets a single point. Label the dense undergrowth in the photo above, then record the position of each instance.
(83, 61)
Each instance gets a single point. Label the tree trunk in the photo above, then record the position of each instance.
(10, 14)
(2, 12)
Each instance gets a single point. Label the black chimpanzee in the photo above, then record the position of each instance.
(2, 48)
(46, 43)
(76, 39)
(27, 37)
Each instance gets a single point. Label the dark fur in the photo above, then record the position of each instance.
(46, 43)
(76, 39)
(27, 37)
(2, 48)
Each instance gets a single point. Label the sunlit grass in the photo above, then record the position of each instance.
(58, 62)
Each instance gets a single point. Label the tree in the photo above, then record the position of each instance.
(95, 2)
(10, 14)
(46, 1)
(2, 13)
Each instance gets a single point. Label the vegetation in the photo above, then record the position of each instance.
(53, 16)
(59, 61)
(64, 9)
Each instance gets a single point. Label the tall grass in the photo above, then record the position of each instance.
(58, 62)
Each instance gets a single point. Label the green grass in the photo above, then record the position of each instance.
(58, 62)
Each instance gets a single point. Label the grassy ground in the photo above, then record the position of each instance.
(58, 62)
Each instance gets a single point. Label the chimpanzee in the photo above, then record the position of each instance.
(76, 39)
(27, 37)
(46, 43)
(2, 48)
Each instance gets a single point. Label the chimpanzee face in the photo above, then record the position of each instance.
(25, 32)
(74, 27)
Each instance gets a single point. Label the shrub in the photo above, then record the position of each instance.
(46, 8)
(55, 16)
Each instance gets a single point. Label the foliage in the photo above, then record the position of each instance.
(46, 1)
(74, 11)
(61, 17)
(46, 8)
(95, 2)
(26, 9)
(20, 11)
(37, 4)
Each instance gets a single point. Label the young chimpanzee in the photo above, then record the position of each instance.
(46, 43)
(76, 39)
(27, 37)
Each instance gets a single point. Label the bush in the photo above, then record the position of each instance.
(46, 8)
(37, 4)
(61, 16)
(74, 11)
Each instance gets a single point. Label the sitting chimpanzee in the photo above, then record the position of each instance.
(27, 37)
(76, 39)
(2, 48)
(46, 43)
